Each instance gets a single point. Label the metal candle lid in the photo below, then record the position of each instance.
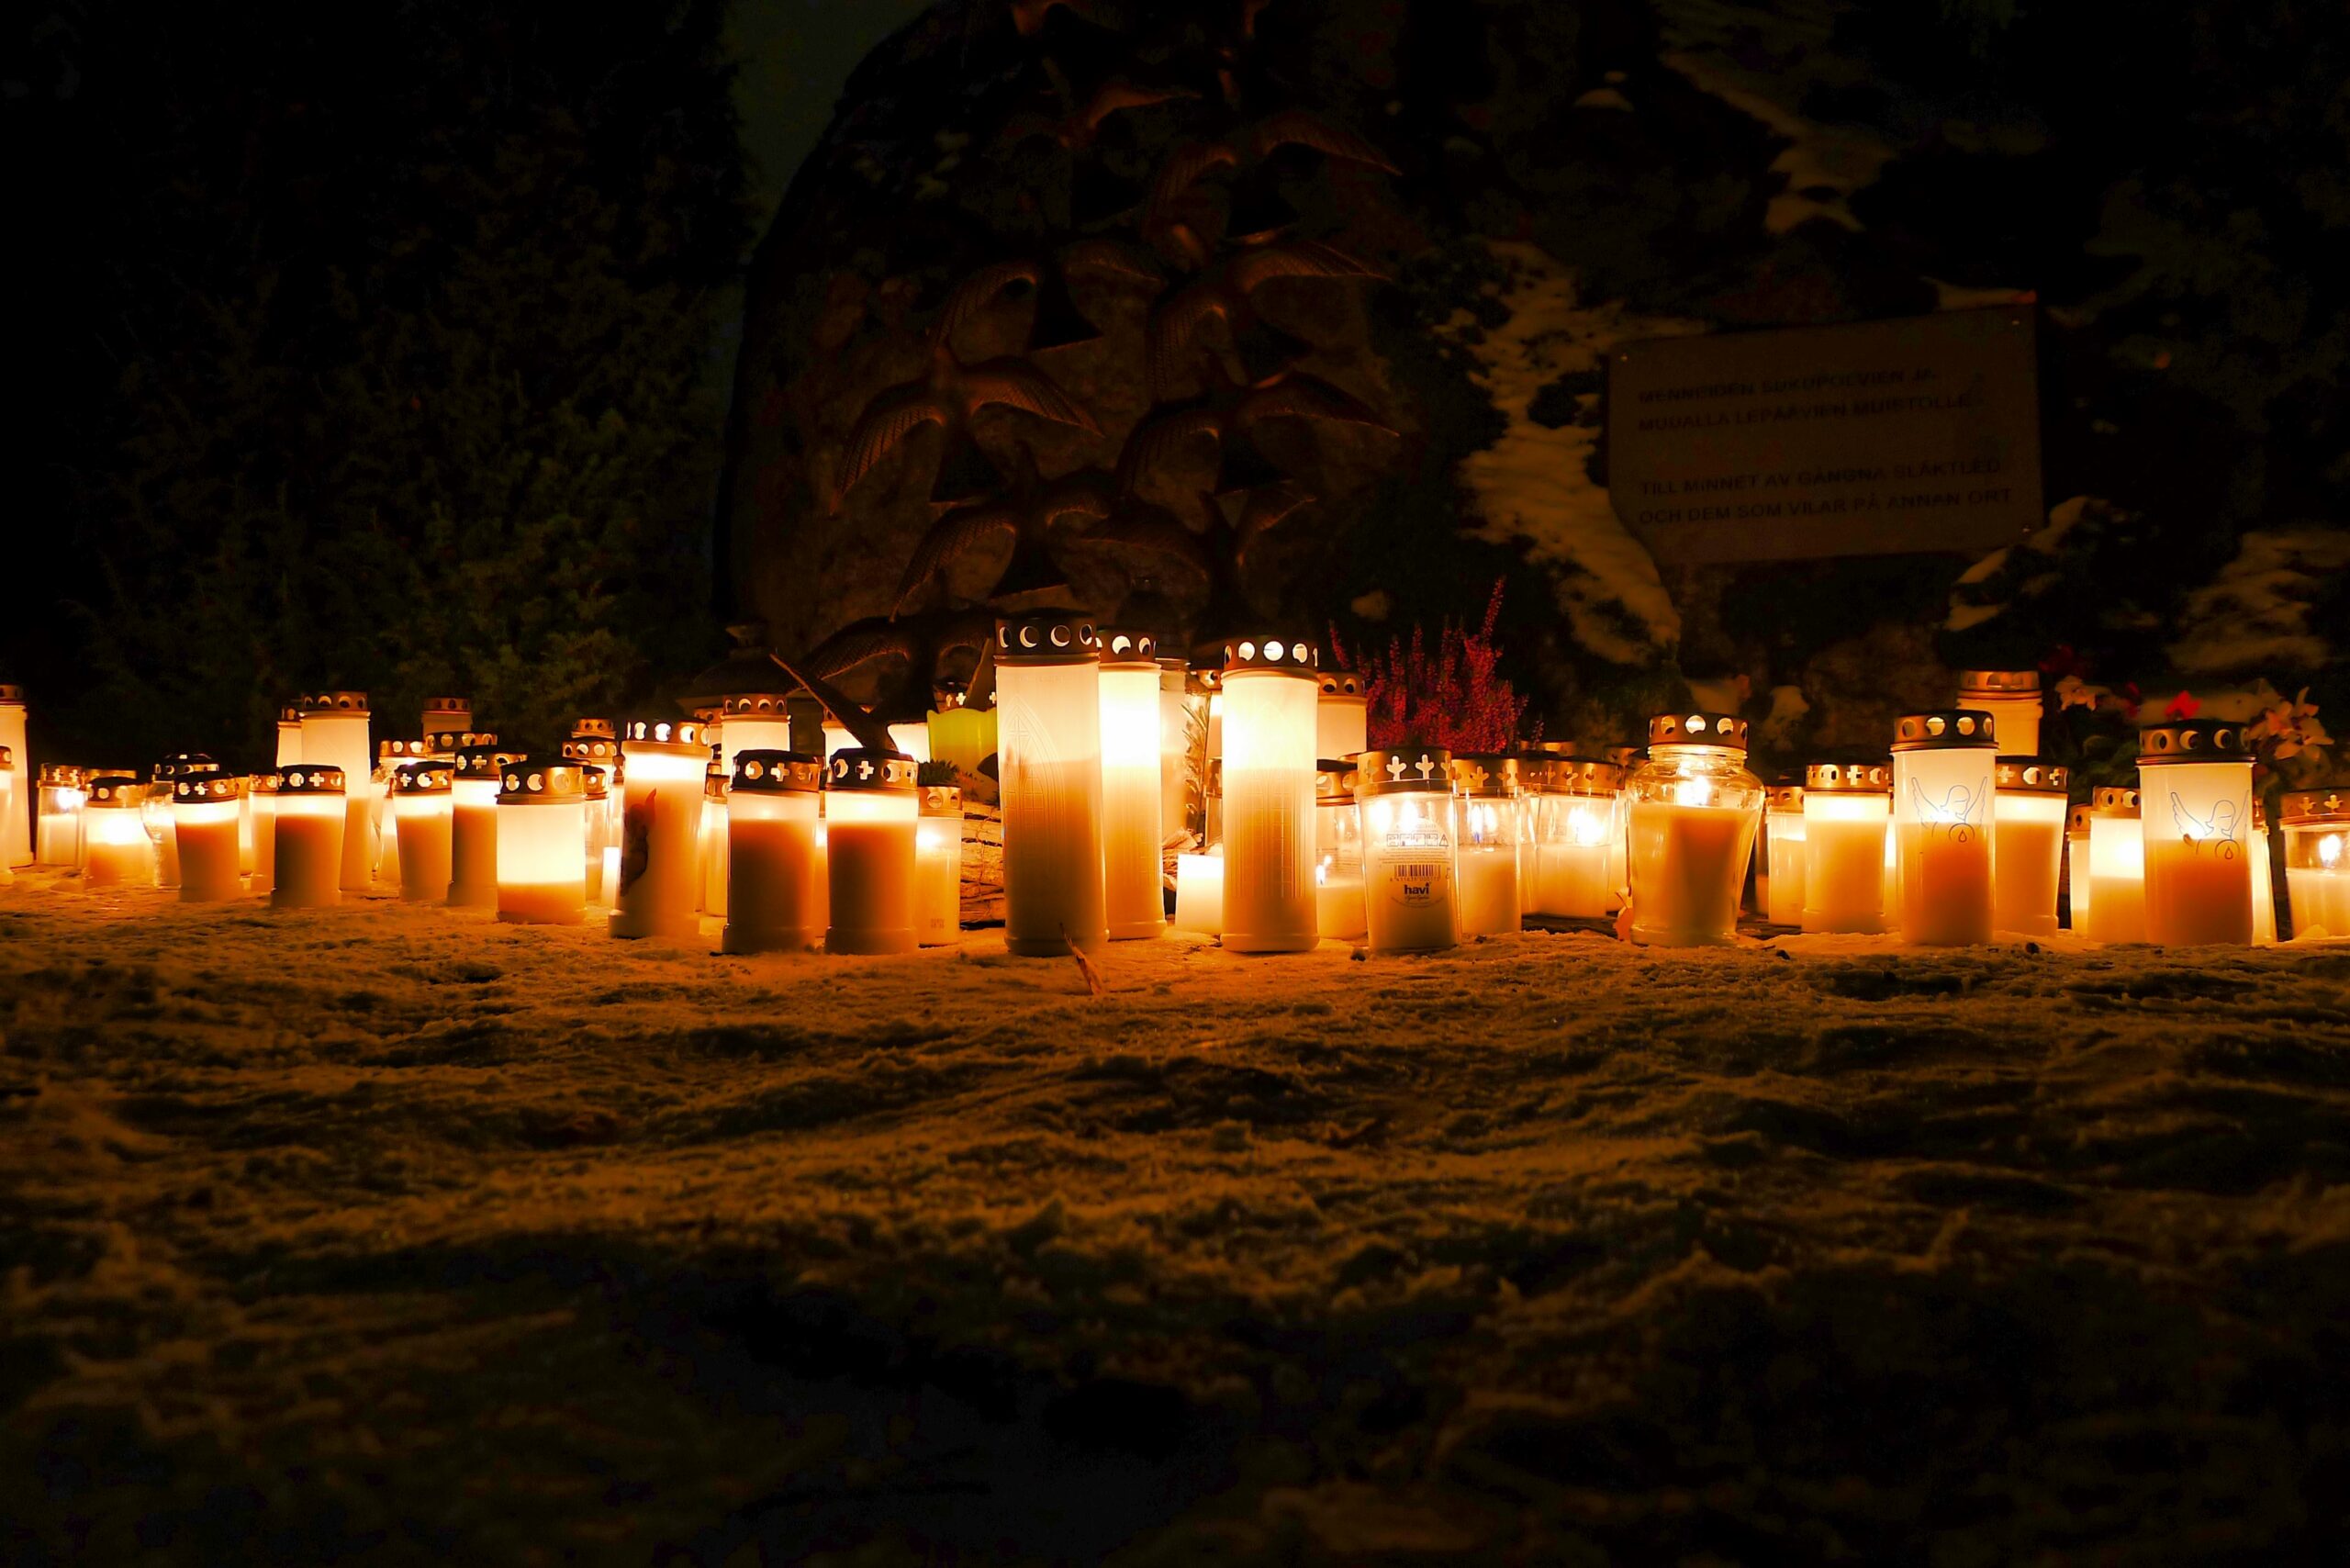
(1134, 649)
(459, 711)
(432, 778)
(2192, 740)
(352, 704)
(261, 784)
(1782, 798)
(590, 749)
(2295, 808)
(2113, 801)
(1484, 773)
(1278, 655)
(1403, 769)
(1342, 685)
(1849, 778)
(1697, 729)
(1999, 682)
(1572, 776)
(182, 763)
(527, 783)
(713, 780)
(2077, 823)
(942, 801)
(484, 761)
(675, 736)
(206, 788)
(1334, 779)
(594, 781)
(310, 778)
(448, 743)
(1045, 640)
(2030, 776)
(11, 693)
(778, 772)
(397, 752)
(593, 729)
(860, 768)
(1945, 729)
(62, 776)
(289, 715)
(749, 705)
(113, 790)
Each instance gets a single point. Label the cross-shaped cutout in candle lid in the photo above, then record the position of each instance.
(1395, 768)
(1427, 767)
(865, 768)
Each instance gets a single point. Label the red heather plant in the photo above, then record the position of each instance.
(1451, 698)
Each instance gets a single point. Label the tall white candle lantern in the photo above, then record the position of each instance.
(1786, 837)
(2028, 861)
(204, 823)
(1847, 839)
(1269, 692)
(289, 736)
(2117, 910)
(334, 731)
(668, 762)
(63, 790)
(2013, 699)
(119, 853)
(1337, 852)
(746, 721)
(775, 892)
(938, 867)
(157, 810)
(1133, 879)
(1341, 715)
(422, 809)
(1692, 811)
(1048, 759)
(2316, 824)
(1576, 836)
(1174, 746)
(871, 811)
(310, 822)
(478, 772)
(1944, 764)
(1485, 845)
(16, 799)
(542, 879)
(596, 783)
(1411, 901)
(2194, 809)
(383, 821)
(446, 715)
(261, 808)
(2077, 869)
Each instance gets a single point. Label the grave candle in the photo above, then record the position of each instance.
(1269, 692)
(1485, 848)
(596, 784)
(1048, 698)
(289, 736)
(2029, 858)
(2077, 869)
(747, 721)
(2317, 861)
(541, 880)
(119, 851)
(334, 731)
(938, 867)
(1785, 837)
(2195, 810)
(1410, 898)
(2013, 699)
(261, 806)
(1174, 747)
(476, 773)
(1134, 896)
(912, 738)
(7, 794)
(1692, 812)
(1577, 835)
(63, 793)
(1341, 715)
(1847, 825)
(383, 821)
(2117, 867)
(593, 743)
(1337, 852)
(156, 810)
(1627, 760)
(1943, 764)
(446, 715)
(1199, 893)
(312, 817)
(2263, 881)
(204, 824)
(16, 794)
(871, 816)
(775, 898)
(710, 841)
(421, 810)
(667, 762)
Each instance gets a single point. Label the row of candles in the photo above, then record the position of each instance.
(1953, 838)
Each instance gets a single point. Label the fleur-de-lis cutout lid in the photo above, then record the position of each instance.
(56, 775)
(2299, 808)
(1484, 773)
(1390, 771)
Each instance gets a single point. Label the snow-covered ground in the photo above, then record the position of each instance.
(394, 1233)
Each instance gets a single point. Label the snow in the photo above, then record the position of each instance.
(2255, 615)
(392, 1232)
(1533, 485)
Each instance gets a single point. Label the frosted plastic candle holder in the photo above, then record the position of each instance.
(667, 765)
(2194, 809)
(1784, 838)
(310, 821)
(709, 886)
(119, 853)
(334, 732)
(1944, 768)
(422, 809)
(383, 817)
(261, 806)
(1269, 693)
(1848, 839)
(1337, 852)
(1410, 898)
(446, 715)
(871, 811)
(2028, 861)
(1049, 702)
(160, 809)
(1199, 893)
(1485, 845)
(2077, 869)
(938, 867)
(58, 835)
(2013, 699)
(1341, 715)
(2316, 826)
(477, 774)
(1574, 834)
(1692, 811)
(2117, 910)
(1134, 893)
(776, 896)
(289, 736)
(205, 809)
(2263, 881)
(16, 792)
(542, 879)
(596, 784)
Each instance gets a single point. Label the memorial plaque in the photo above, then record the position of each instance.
(1921, 433)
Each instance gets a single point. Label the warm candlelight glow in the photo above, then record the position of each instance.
(1268, 692)
(2117, 910)
(1341, 715)
(2077, 869)
(541, 878)
(1337, 852)
(667, 762)
(58, 841)
(16, 790)
(871, 814)
(2195, 810)
(261, 806)
(1785, 837)
(2316, 825)
(775, 899)
(1133, 885)
(119, 851)
(938, 867)
(2029, 858)
(1048, 697)
(1694, 812)
(334, 734)
(1848, 842)
(312, 816)
(422, 812)
(1486, 844)
(1943, 817)
(204, 818)
(1574, 836)
(477, 773)
(1411, 900)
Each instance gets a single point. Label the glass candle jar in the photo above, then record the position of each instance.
(1785, 835)
(938, 867)
(871, 814)
(2194, 809)
(421, 803)
(1048, 698)
(2263, 881)
(1134, 896)
(477, 774)
(1627, 760)
(445, 715)
(1269, 693)
(2316, 824)
(1691, 812)
(289, 736)
(1337, 852)
(16, 794)
(2117, 910)
(541, 878)
(1943, 818)
(334, 731)
(1485, 844)
(2013, 699)
(709, 884)
(204, 823)
(58, 841)
(1410, 893)
(2077, 869)
(596, 784)
(261, 808)
(1848, 838)
(311, 819)
(1576, 837)
(2029, 858)
(1341, 715)
(775, 899)
(666, 763)
(119, 851)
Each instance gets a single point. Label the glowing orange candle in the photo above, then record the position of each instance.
(1485, 844)
(204, 823)
(334, 731)
(1133, 885)
(1339, 913)
(1268, 692)
(2316, 824)
(421, 811)
(871, 815)
(1784, 840)
(667, 763)
(260, 803)
(1848, 839)
(1692, 813)
(1048, 689)
(2077, 869)
(478, 772)
(63, 790)
(2195, 810)
(775, 897)
(2028, 861)
(119, 853)
(16, 794)
(1411, 897)
(2117, 910)
(542, 879)
(1341, 715)
(311, 819)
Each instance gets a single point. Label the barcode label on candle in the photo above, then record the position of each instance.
(1416, 869)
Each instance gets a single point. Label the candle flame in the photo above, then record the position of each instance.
(2329, 851)
(1693, 792)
